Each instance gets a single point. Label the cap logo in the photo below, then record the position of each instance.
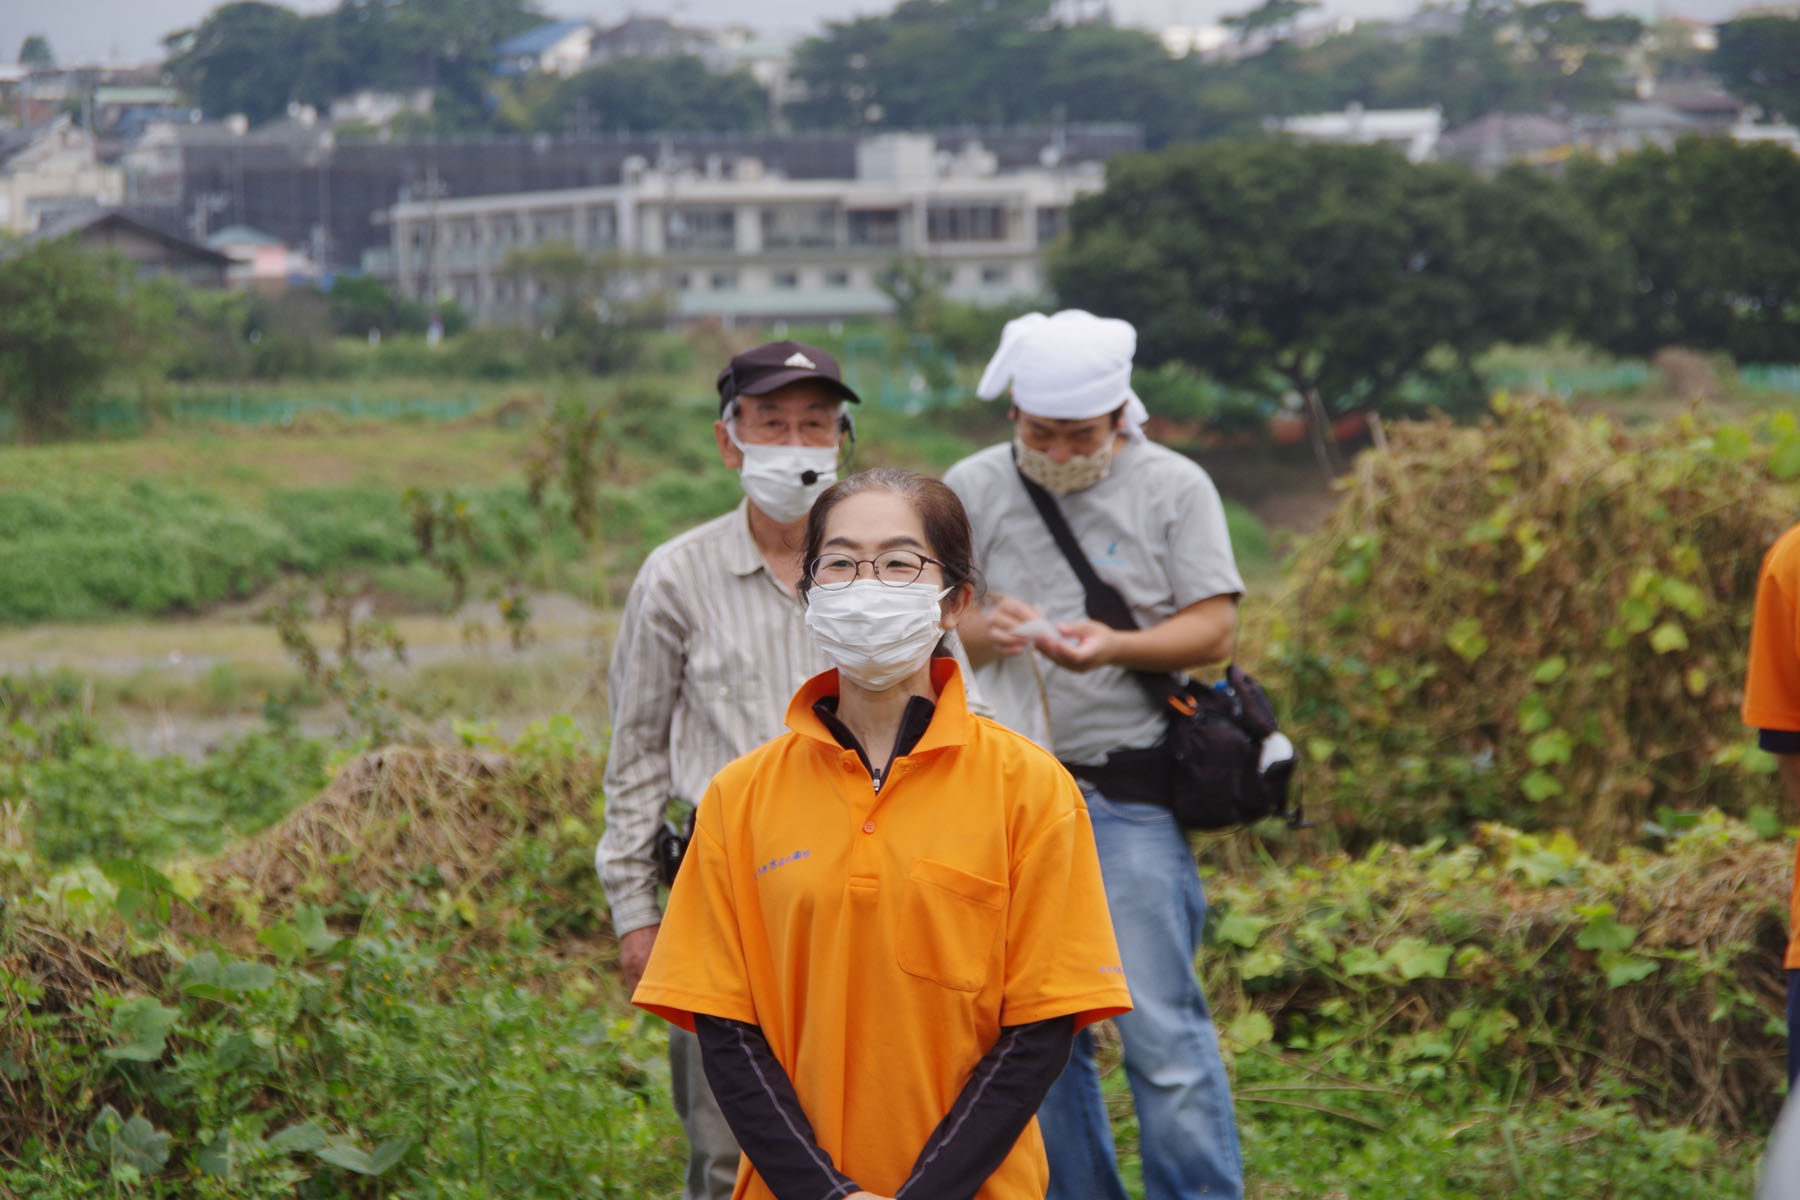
(797, 359)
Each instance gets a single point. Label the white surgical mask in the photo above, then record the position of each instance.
(777, 478)
(876, 634)
(1061, 478)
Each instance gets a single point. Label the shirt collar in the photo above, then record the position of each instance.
(741, 555)
(950, 723)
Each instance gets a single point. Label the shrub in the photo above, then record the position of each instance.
(1542, 620)
(1521, 964)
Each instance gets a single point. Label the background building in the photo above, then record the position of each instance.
(733, 240)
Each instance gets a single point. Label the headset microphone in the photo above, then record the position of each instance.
(808, 478)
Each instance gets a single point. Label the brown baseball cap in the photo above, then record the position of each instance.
(772, 365)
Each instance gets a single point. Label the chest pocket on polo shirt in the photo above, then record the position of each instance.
(948, 922)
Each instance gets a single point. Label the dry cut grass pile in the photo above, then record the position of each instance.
(404, 818)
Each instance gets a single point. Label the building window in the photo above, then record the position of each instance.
(966, 223)
(875, 227)
(702, 228)
(799, 226)
(681, 281)
(837, 279)
(992, 275)
(724, 281)
(603, 228)
(785, 281)
(1052, 223)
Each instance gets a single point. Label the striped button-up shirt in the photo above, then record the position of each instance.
(709, 652)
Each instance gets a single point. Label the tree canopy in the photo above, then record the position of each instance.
(255, 58)
(991, 62)
(641, 95)
(939, 62)
(1337, 270)
(66, 320)
(35, 51)
(1710, 232)
(1758, 59)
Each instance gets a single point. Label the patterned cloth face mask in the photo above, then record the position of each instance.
(1061, 478)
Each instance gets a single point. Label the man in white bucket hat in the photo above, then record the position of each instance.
(1151, 524)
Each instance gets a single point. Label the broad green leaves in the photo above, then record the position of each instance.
(135, 1144)
(141, 1027)
(365, 1162)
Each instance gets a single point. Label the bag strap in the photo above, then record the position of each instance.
(1104, 603)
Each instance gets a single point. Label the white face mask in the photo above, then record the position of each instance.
(1061, 478)
(876, 634)
(775, 477)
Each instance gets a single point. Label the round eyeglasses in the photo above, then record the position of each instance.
(896, 568)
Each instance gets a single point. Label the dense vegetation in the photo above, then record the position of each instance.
(956, 62)
(1346, 276)
(212, 985)
(1540, 621)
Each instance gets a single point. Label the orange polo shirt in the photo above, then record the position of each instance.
(1772, 687)
(881, 940)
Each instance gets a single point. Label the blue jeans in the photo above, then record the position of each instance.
(1187, 1136)
(1793, 1031)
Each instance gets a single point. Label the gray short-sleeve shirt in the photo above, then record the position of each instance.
(1154, 528)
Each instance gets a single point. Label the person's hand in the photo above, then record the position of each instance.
(634, 954)
(1084, 645)
(1006, 615)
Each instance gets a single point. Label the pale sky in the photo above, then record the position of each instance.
(128, 31)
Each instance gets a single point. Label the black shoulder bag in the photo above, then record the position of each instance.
(1209, 767)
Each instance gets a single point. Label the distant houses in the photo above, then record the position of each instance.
(154, 252)
(732, 226)
(567, 47)
(50, 170)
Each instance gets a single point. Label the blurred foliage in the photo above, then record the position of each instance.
(1340, 271)
(1758, 61)
(1710, 234)
(642, 95)
(66, 322)
(1519, 964)
(80, 797)
(951, 62)
(148, 549)
(255, 59)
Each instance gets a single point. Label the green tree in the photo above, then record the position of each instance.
(992, 62)
(1758, 60)
(66, 322)
(35, 51)
(254, 58)
(1711, 234)
(590, 306)
(643, 95)
(1271, 16)
(246, 57)
(1335, 271)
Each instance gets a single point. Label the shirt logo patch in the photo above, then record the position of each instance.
(782, 861)
(797, 359)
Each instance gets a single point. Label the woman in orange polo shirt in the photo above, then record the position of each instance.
(890, 923)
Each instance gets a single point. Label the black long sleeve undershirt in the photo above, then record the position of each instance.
(995, 1104)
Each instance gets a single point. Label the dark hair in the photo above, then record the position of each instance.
(940, 512)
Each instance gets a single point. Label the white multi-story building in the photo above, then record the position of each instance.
(726, 240)
(50, 171)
